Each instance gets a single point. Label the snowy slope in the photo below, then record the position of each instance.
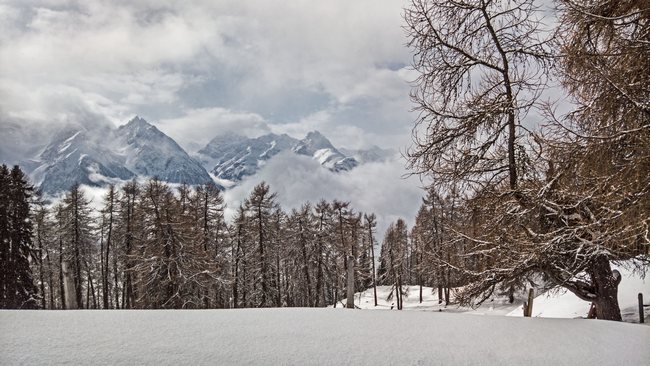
(320, 148)
(497, 305)
(312, 337)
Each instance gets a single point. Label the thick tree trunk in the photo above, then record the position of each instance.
(319, 278)
(606, 284)
(262, 258)
(602, 290)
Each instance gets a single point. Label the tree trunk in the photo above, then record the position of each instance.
(68, 287)
(62, 277)
(50, 277)
(305, 267)
(606, 284)
(350, 299)
(40, 269)
(374, 272)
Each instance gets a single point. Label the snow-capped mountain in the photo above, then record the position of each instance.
(149, 152)
(321, 149)
(99, 157)
(233, 157)
(96, 153)
(76, 157)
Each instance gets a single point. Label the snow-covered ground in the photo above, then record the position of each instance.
(312, 337)
(551, 304)
(434, 335)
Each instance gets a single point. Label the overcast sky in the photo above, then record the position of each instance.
(195, 68)
(199, 68)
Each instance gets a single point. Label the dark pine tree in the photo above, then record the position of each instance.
(19, 291)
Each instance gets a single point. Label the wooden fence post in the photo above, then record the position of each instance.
(641, 315)
(529, 304)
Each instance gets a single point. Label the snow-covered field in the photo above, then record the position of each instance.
(432, 335)
(312, 337)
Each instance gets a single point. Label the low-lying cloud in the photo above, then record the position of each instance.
(378, 188)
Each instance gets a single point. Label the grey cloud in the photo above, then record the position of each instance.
(284, 61)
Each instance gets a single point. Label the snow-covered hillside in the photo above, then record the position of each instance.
(312, 337)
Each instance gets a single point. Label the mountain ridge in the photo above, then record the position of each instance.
(98, 154)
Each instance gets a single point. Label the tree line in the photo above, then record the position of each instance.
(151, 246)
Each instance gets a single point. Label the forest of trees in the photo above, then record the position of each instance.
(151, 246)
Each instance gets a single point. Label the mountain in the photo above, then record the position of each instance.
(320, 148)
(75, 157)
(149, 152)
(233, 157)
(97, 158)
(96, 153)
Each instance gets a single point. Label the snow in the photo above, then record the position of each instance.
(497, 305)
(68, 142)
(266, 152)
(564, 304)
(323, 155)
(222, 182)
(312, 336)
(551, 304)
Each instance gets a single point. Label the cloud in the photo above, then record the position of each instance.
(200, 125)
(379, 188)
(172, 61)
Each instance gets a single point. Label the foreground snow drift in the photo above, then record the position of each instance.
(312, 336)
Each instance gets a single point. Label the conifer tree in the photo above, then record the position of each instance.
(5, 248)
(20, 291)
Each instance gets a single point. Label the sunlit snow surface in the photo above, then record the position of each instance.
(312, 337)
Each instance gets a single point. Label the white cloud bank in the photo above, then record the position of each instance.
(378, 188)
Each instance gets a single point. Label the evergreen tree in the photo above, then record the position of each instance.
(5, 248)
(19, 291)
